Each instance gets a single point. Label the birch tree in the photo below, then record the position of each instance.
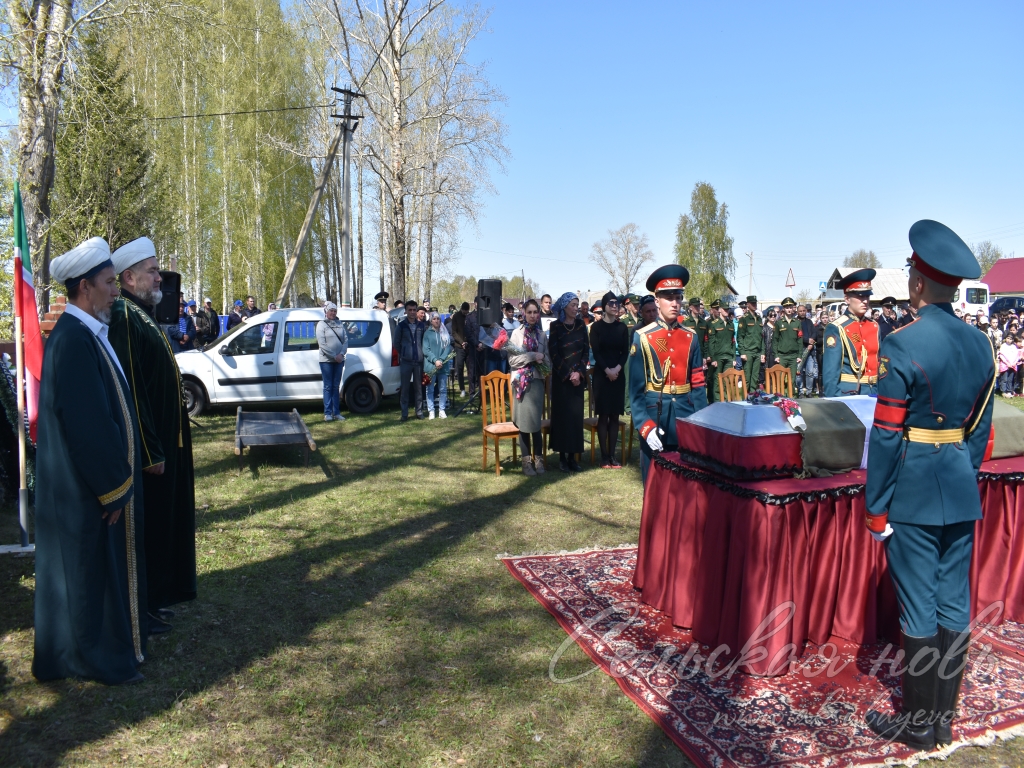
(703, 244)
(622, 255)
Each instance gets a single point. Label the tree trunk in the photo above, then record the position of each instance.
(41, 42)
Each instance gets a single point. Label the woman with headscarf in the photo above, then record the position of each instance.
(609, 342)
(528, 385)
(569, 347)
(437, 359)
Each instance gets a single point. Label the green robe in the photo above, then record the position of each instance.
(155, 382)
(90, 598)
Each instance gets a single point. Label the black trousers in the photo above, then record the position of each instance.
(412, 375)
(459, 371)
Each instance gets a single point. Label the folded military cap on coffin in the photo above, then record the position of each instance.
(127, 256)
(81, 262)
(858, 282)
(940, 255)
(671, 277)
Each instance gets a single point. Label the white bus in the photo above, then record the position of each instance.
(970, 297)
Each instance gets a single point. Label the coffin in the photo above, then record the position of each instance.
(745, 441)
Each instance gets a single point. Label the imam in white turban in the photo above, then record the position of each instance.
(81, 262)
(127, 256)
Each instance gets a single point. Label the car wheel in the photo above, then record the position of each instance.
(195, 398)
(362, 395)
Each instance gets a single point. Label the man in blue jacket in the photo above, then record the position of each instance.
(935, 382)
(409, 340)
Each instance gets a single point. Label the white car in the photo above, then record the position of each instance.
(274, 357)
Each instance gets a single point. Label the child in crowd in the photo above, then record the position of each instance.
(1009, 358)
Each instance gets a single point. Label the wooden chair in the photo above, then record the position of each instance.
(778, 380)
(545, 421)
(495, 410)
(732, 385)
(591, 423)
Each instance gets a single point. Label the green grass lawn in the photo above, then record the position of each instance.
(353, 613)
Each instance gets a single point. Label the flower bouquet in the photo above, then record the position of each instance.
(428, 376)
(790, 408)
(502, 344)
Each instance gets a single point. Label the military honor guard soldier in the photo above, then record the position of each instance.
(666, 376)
(935, 383)
(166, 437)
(849, 364)
(90, 596)
(721, 346)
(789, 338)
(750, 340)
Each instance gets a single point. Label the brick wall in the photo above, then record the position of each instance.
(51, 317)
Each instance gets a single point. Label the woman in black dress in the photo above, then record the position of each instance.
(609, 341)
(569, 348)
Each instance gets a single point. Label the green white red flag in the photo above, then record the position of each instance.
(25, 308)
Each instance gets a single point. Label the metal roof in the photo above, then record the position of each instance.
(1006, 276)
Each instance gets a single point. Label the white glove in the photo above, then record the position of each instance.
(883, 535)
(653, 441)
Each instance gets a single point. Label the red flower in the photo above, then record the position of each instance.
(500, 341)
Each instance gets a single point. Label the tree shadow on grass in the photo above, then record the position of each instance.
(245, 616)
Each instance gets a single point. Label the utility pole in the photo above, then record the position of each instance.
(344, 131)
(750, 281)
(349, 123)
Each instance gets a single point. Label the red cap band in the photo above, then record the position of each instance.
(669, 284)
(931, 273)
(863, 285)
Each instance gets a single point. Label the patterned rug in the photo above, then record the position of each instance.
(721, 717)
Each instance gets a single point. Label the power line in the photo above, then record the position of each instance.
(524, 256)
(228, 114)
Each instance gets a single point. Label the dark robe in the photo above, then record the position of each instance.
(155, 382)
(570, 350)
(90, 598)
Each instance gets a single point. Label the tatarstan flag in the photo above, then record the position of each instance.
(25, 308)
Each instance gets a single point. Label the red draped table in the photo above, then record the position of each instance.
(719, 556)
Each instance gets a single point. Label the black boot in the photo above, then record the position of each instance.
(913, 724)
(947, 686)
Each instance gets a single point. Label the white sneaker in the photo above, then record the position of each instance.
(442, 415)
(431, 416)
(328, 418)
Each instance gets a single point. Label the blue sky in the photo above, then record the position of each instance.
(825, 127)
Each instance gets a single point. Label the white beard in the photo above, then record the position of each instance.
(103, 315)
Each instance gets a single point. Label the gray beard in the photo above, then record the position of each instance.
(151, 297)
(103, 315)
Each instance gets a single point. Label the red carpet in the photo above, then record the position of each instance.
(812, 717)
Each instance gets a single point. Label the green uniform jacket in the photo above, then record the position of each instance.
(749, 335)
(936, 373)
(155, 384)
(700, 328)
(720, 339)
(90, 594)
(788, 336)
